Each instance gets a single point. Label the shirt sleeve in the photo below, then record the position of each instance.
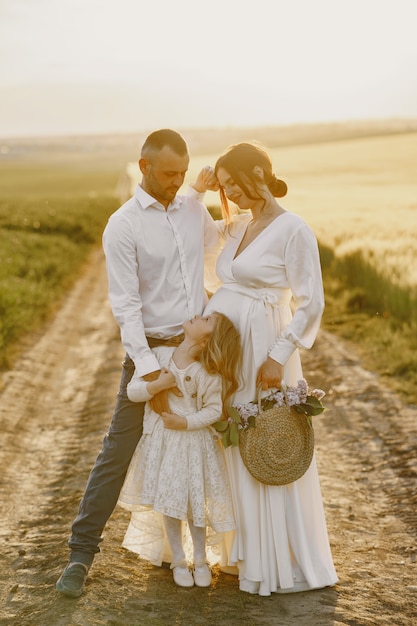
(197, 195)
(125, 301)
(211, 403)
(137, 389)
(302, 262)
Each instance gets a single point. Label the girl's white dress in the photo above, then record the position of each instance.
(281, 541)
(179, 473)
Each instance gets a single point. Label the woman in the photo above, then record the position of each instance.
(269, 262)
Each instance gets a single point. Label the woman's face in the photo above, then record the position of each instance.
(232, 190)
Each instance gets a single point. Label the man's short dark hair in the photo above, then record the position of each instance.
(164, 137)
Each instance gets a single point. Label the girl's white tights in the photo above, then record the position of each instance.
(198, 535)
(173, 529)
(174, 533)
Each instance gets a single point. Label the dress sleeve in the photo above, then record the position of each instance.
(302, 262)
(211, 281)
(214, 237)
(210, 389)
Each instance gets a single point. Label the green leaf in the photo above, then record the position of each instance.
(252, 421)
(311, 408)
(299, 408)
(221, 426)
(267, 404)
(314, 402)
(234, 434)
(225, 439)
(234, 414)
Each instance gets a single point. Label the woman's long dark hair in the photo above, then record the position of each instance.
(240, 161)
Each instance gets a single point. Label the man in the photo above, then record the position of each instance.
(154, 247)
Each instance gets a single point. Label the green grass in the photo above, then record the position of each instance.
(367, 289)
(378, 317)
(50, 218)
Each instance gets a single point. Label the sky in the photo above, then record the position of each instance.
(103, 66)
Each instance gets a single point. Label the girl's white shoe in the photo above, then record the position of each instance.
(182, 576)
(202, 575)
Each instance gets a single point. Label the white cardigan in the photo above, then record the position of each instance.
(201, 402)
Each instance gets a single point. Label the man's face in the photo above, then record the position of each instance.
(163, 174)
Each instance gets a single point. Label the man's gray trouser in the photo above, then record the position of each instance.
(108, 474)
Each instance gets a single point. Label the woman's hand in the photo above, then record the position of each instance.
(270, 374)
(174, 421)
(206, 180)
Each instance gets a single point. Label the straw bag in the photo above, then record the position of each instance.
(278, 450)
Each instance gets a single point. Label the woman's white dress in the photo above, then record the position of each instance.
(281, 541)
(179, 473)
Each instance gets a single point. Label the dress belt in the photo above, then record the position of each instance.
(263, 301)
(153, 342)
(265, 295)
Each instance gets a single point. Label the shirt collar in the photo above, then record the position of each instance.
(146, 201)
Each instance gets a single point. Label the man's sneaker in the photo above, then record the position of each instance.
(72, 580)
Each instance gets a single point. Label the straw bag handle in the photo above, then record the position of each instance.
(283, 389)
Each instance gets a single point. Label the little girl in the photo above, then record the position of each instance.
(178, 469)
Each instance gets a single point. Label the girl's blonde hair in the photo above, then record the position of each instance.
(223, 355)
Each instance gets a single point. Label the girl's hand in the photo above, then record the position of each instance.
(206, 180)
(174, 421)
(166, 379)
(159, 389)
(270, 374)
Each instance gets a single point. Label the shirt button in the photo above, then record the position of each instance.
(188, 378)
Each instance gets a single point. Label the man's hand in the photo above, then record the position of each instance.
(206, 180)
(270, 374)
(159, 402)
(174, 421)
(166, 380)
(151, 376)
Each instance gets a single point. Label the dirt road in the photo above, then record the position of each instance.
(54, 409)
